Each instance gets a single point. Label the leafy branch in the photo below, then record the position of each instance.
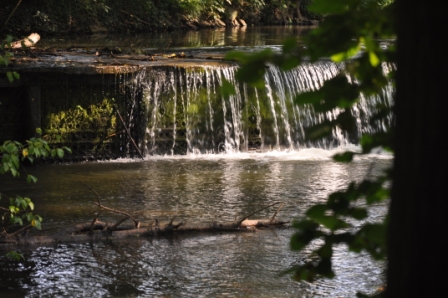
(13, 154)
(351, 35)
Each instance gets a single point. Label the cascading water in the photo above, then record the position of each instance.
(187, 113)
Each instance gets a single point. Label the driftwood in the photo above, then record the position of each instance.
(101, 231)
(27, 42)
(97, 230)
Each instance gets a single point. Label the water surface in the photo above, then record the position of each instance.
(259, 36)
(196, 189)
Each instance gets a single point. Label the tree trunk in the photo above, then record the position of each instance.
(418, 240)
(299, 14)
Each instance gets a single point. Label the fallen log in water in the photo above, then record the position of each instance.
(97, 230)
(100, 231)
(27, 42)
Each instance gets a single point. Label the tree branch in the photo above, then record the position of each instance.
(275, 214)
(11, 14)
(246, 217)
(136, 222)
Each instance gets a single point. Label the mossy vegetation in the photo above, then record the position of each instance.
(84, 118)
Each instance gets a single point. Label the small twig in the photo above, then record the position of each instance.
(114, 134)
(178, 225)
(94, 221)
(149, 227)
(136, 222)
(97, 195)
(128, 132)
(275, 214)
(17, 232)
(115, 226)
(246, 217)
(11, 14)
(172, 219)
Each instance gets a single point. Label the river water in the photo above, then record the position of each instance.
(195, 188)
(165, 41)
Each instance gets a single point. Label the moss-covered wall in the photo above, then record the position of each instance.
(167, 109)
(85, 118)
(75, 113)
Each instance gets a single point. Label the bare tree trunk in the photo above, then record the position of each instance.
(299, 14)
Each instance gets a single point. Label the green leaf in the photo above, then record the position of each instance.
(15, 256)
(312, 97)
(324, 268)
(358, 213)
(306, 232)
(342, 56)
(14, 172)
(332, 222)
(317, 211)
(326, 250)
(31, 178)
(38, 131)
(319, 131)
(373, 58)
(38, 225)
(344, 157)
(60, 152)
(10, 76)
(227, 89)
(289, 45)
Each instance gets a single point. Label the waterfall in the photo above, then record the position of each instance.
(187, 114)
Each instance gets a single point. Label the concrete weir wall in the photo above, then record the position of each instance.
(75, 106)
(94, 105)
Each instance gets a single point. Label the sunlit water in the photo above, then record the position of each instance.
(250, 36)
(196, 189)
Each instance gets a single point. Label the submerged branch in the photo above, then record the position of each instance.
(136, 222)
(255, 212)
(115, 226)
(275, 214)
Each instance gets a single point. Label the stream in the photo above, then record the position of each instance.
(192, 188)
(222, 176)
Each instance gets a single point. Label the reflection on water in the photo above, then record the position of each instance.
(221, 37)
(196, 189)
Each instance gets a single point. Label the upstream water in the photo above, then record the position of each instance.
(192, 188)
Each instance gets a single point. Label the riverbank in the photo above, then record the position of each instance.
(65, 17)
